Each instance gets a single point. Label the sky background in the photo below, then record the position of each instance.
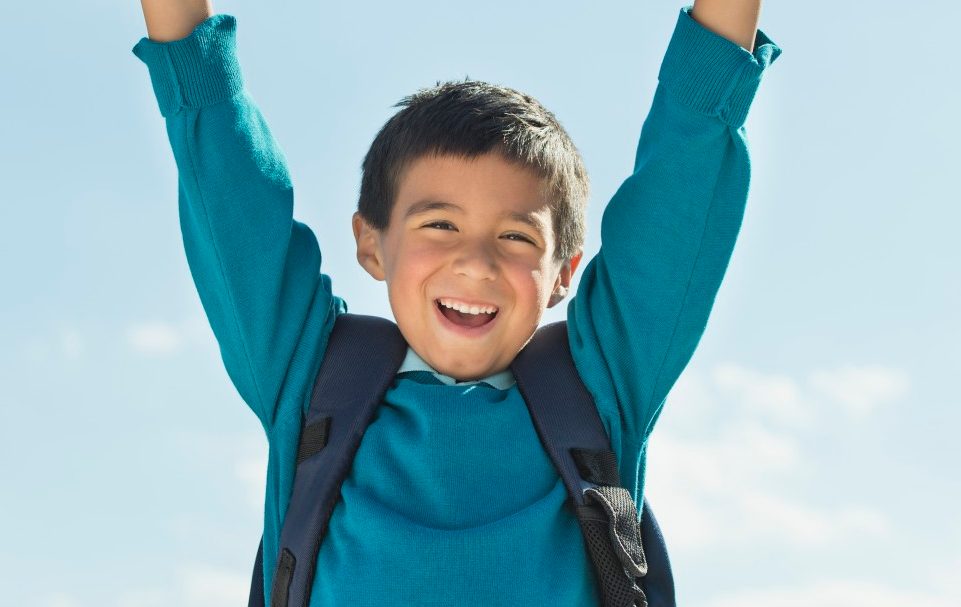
(808, 455)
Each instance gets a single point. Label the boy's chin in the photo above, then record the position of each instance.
(467, 373)
(466, 367)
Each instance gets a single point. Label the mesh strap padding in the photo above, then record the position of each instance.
(617, 588)
(624, 528)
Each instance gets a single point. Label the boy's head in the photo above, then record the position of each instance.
(473, 197)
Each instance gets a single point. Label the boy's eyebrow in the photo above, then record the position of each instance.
(425, 206)
(529, 218)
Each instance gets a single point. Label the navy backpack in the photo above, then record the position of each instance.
(628, 555)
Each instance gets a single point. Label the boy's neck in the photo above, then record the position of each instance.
(501, 380)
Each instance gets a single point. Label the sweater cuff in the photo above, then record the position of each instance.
(198, 70)
(712, 75)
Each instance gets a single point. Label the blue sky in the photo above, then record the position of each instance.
(807, 456)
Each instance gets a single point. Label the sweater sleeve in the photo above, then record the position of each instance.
(256, 269)
(668, 232)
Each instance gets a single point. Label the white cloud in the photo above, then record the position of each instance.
(68, 343)
(774, 396)
(71, 344)
(160, 338)
(59, 599)
(773, 515)
(835, 594)
(726, 490)
(36, 349)
(195, 585)
(251, 471)
(154, 338)
(206, 586)
(860, 389)
(733, 473)
(945, 577)
(693, 395)
(243, 454)
(144, 598)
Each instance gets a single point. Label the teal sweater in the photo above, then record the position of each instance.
(451, 498)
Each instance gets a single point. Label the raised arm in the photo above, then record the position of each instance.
(668, 233)
(257, 271)
(735, 20)
(169, 20)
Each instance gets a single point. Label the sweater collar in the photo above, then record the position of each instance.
(412, 362)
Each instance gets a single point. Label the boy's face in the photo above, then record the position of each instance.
(476, 235)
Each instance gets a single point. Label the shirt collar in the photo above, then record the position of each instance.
(412, 362)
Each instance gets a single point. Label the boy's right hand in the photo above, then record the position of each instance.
(169, 20)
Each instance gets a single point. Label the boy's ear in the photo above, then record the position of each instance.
(368, 247)
(563, 282)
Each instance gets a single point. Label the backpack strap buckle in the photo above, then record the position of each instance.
(623, 526)
(613, 537)
(608, 516)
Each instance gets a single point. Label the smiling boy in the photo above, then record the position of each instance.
(470, 260)
(472, 212)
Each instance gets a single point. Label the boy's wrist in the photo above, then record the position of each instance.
(735, 20)
(170, 20)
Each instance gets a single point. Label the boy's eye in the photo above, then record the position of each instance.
(518, 237)
(446, 225)
(443, 225)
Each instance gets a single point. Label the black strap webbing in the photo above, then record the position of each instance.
(313, 438)
(597, 466)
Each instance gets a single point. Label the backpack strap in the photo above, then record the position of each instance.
(362, 358)
(256, 598)
(658, 584)
(571, 430)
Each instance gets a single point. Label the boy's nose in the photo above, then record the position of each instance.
(476, 261)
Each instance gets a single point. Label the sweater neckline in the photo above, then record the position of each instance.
(502, 380)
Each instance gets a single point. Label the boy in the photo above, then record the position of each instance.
(472, 211)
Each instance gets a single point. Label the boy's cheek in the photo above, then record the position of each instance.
(532, 285)
(405, 265)
(418, 258)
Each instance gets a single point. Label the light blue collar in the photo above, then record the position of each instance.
(412, 362)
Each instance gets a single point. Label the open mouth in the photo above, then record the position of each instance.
(463, 315)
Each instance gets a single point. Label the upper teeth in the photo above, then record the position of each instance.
(464, 308)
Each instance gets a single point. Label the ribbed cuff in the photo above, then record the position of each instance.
(711, 74)
(198, 70)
